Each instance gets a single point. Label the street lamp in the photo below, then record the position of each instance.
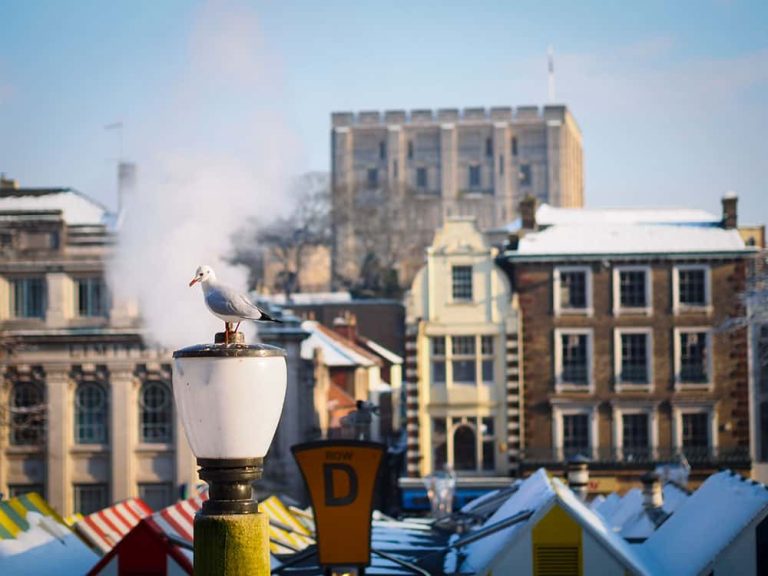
(229, 398)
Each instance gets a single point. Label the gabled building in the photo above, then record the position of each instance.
(624, 359)
(462, 364)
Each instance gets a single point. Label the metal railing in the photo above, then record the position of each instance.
(639, 457)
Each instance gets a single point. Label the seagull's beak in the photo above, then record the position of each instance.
(194, 281)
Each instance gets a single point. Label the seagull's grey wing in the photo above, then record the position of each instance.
(229, 302)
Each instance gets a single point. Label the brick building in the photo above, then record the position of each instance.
(624, 362)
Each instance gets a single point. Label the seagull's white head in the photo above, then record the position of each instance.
(203, 274)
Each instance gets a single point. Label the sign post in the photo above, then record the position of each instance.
(341, 476)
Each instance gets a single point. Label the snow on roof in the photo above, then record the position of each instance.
(305, 298)
(627, 515)
(709, 520)
(547, 215)
(77, 208)
(611, 238)
(46, 544)
(551, 215)
(335, 351)
(536, 493)
(385, 353)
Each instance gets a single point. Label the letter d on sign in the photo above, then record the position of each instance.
(341, 490)
(333, 494)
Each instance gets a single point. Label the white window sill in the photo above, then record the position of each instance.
(160, 447)
(587, 312)
(647, 311)
(630, 387)
(681, 309)
(89, 448)
(569, 387)
(682, 386)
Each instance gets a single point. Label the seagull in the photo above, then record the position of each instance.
(227, 303)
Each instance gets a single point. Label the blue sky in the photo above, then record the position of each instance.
(670, 96)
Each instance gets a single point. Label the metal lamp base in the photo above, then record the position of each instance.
(229, 485)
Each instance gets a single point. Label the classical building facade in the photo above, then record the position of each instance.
(625, 361)
(397, 176)
(87, 408)
(463, 390)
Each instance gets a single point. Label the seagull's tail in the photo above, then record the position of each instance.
(267, 318)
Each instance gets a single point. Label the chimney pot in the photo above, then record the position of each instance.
(730, 215)
(653, 497)
(528, 207)
(578, 476)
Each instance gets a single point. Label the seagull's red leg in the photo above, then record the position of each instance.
(226, 332)
(236, 327)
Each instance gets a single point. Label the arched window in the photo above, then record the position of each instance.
(27, 414)
(464, 448)
(91, 414)
(155, 413)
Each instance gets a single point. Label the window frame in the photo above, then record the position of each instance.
(680, 409)
(169, 438)
(460, 300)
(618, 308)
(561, 409)
(422, 187)
(474, 421)
(679, 307)
(560, 384)
(651, 410)
(76, 498)
(709, 352)
(16, 426)
(619, 384)
(103, 312)
(12, 310)
(474, 169)
(557, 304)
(105, 415)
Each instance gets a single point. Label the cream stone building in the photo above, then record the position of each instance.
(463, 390)
(397, 176)
(86, 408)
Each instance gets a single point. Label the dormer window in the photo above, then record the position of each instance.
(461, 277)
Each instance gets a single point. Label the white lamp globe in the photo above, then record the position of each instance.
(229, 398)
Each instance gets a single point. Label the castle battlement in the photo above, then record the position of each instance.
(443, 115)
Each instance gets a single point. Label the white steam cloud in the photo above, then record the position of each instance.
(220, 153)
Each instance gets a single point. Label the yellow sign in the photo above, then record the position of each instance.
(341, 476)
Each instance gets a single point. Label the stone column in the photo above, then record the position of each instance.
(59, 434)
(61, 300)
(124, 429)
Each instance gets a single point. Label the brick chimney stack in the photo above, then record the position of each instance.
(528, 207)
(346, 325)
(730, 218)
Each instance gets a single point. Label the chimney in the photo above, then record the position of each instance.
(346, 325)
(126, 182)
(578, 476)
(730, 219)
(528, 207)
(8, 183)
(653, 497)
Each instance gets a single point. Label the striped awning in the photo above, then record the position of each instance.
(105, 528)
(287, 533)
(13, 513)
(178, 519)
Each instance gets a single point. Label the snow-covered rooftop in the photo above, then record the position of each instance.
(707, 523)
(335, 352)
(580, 232)
(77, 208)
